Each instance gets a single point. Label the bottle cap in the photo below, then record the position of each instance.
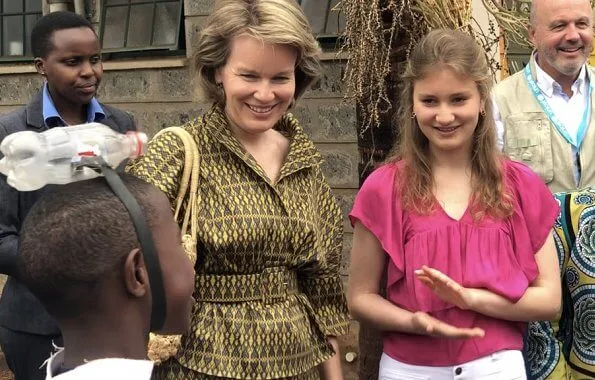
(140, 140)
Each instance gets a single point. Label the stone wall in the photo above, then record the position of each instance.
(158, 94)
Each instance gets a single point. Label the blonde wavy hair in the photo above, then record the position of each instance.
(272, 21)
(455, 50)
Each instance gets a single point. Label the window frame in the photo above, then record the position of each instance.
(26, 42)
(328, 41)
(328, 12)
(173, 49)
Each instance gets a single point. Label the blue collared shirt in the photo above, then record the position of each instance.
(52, 118)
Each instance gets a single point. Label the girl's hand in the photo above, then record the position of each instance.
(425, 324)
(446, 288)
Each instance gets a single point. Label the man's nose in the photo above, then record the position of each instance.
(572, 33)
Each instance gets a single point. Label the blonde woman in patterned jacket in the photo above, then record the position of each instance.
(270, 297)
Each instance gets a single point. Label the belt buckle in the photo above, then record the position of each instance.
(272, 290)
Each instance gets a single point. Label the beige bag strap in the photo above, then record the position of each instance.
(188, 183)
(160, 347)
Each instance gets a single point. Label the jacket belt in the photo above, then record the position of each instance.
(269, 286)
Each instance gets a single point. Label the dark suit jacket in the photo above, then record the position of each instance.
(19, 309)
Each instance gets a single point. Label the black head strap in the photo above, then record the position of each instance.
(147, 245)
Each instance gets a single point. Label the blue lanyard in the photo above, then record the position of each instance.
(540, 97)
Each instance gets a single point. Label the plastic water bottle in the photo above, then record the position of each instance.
(65, 154)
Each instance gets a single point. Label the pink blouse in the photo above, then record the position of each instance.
(495, 254)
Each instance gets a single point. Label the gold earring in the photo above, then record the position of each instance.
(413, 115)
(482, 113)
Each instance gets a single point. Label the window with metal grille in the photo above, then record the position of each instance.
(136, 25)
(17, 18)
(132, 25)
(325, 21)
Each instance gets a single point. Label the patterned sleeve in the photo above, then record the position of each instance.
(546, 339)
(323, 286)
(161, 165)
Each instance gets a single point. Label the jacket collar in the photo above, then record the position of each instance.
(302, 152)
(34, 112)
(51, 114)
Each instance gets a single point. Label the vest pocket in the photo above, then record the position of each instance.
(527, 139)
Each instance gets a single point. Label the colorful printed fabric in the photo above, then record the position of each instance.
(248, 225)
(565, 349)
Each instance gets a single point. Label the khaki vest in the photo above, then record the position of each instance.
(529, 136)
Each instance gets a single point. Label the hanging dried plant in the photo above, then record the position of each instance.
(370, 33)
(376, 29)
(513, 20)
(457, 14)
(449, 14)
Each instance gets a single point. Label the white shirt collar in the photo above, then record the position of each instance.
(547, 84)
(112, 369)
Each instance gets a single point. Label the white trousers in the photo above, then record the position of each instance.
(502, 365)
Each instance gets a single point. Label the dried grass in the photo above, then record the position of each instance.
(375, 30)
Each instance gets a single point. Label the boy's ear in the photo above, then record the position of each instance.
(39, 66)
(135, 274)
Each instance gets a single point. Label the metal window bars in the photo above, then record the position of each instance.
(17, 18)
(125, 24)
(324, 21)
(135, 25)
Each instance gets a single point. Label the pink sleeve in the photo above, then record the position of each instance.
(534, 216)
(377, 207)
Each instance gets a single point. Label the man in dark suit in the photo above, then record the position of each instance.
(68, 56)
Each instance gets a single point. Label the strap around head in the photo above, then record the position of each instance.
(147, 244)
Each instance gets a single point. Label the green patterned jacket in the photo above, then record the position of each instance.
(268, 285)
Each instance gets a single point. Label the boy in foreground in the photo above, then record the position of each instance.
(79, 255)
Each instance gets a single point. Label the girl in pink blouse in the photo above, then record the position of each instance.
(464, 233)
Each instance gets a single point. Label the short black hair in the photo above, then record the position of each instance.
(75, 236)
(45, 27)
